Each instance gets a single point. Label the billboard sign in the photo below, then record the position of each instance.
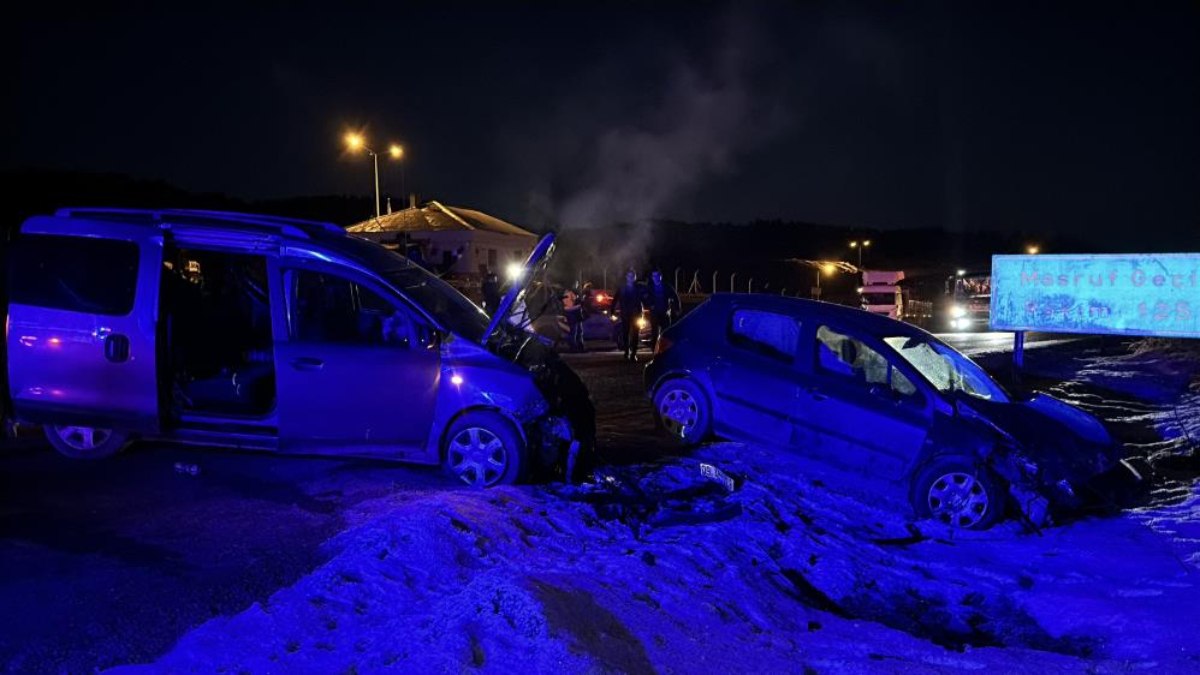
(1133, 294)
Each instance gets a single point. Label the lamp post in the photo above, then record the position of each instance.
(356, 142)
(859, 246)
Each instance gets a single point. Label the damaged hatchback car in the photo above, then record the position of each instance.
(880, 396)
(261, 332)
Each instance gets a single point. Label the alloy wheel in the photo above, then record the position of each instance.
(958, 499)
(478, 457)
(679, 412)
(84, 439)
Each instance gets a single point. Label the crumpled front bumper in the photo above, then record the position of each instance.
(1044, 499)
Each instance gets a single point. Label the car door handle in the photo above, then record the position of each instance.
(116, 348)
(817, 394)
(307, 363)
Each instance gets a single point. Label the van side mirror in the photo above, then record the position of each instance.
(428, 336)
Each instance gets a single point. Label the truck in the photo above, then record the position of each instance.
(970, 293)
(880, 293)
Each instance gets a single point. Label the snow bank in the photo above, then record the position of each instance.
(802, 568)
(799, 568)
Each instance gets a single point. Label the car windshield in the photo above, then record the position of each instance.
(946, 369)
(879, 298)
(438, 298)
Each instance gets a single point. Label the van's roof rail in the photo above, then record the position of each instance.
(201, 217)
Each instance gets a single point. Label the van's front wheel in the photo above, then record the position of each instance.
(86, 442)
(483, 449)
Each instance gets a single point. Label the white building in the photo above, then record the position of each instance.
(458, 242)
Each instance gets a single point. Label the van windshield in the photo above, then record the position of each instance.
(946, 369)
(439, 299)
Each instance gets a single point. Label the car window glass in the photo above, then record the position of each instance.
(77, 274)
(331, 309)
(946, 369)
(845, 356)
(766, 333)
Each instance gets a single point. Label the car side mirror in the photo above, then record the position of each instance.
(428, 336)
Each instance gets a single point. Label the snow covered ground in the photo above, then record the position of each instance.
(801, 568)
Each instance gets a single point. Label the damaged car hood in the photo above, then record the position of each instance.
(1066, 442)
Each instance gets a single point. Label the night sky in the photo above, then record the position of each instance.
(1072, 119)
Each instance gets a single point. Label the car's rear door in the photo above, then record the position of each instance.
(82, 322)
(868, 413)
(754, 376)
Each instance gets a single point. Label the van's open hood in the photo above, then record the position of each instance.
(538, 258)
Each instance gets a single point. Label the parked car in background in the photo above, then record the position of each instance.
(262, 332)
(879, 396)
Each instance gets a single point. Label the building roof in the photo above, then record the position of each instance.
(437, 217)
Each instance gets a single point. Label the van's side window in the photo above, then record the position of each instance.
(843, 355)
(328, 308)
(77, 274)
(767, 333)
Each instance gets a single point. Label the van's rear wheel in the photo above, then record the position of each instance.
(79, 442)
(483, 449)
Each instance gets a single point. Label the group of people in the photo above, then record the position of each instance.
(654, 296)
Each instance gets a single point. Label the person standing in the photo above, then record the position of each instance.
(628, 304)
(663, 303)
(573, 309)
(491, 293)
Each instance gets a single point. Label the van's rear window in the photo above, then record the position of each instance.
(78, 274)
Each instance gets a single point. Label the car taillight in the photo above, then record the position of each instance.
(663, 344)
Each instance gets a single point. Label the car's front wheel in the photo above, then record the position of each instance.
(483, 449)
(79, 442)
(682, 410)
(958, 492)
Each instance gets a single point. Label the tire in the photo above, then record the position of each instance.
(960, 493)
(86, 442)
(482, 449)
(682, 409)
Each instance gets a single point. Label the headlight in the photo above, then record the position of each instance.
(958, 311)
(642, 323)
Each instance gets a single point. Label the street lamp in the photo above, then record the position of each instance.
(397, 153)
(356, 142)
(824, 268)
(860, 245)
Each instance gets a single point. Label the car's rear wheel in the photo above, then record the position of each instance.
(959, 493)
(683, 411)
(79, 442)
(483, 449)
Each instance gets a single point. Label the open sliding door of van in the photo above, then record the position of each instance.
(81, 332)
